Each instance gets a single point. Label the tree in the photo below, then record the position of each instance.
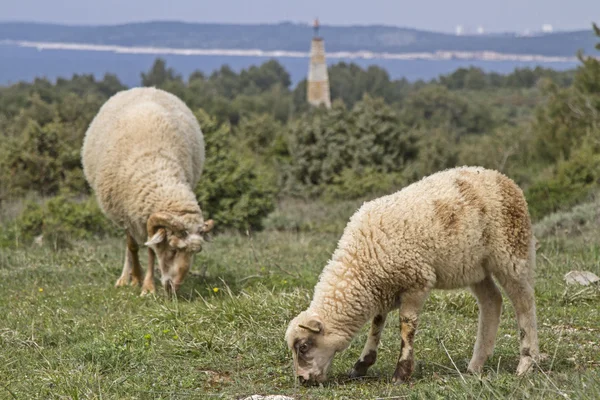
(567, 128)
(569, 114)
(435, 106)
(159, 74)
(349, 82)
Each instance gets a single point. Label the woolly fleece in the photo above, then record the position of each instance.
(453, 229)
(143, 153)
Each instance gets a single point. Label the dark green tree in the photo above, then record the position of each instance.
(159, 74)
(435, 106)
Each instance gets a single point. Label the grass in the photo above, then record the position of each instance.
(67, 333)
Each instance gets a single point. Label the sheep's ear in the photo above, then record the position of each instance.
(208, 225)
(315, 326)
(158, 237)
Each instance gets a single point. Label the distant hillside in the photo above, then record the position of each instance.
(295, 37)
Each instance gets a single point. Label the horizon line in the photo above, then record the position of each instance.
(517, 33)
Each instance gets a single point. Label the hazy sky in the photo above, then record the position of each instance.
(439, 15)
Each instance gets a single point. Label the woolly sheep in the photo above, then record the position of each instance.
(456, 228)
(142, 155)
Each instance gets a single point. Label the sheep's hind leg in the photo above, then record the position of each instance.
(410, 306)
(148, 286)
(136, 270)
(489, 300)
(124, 278)
(521, 294)
(369, 353)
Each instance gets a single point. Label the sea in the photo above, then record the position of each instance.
(25, 63)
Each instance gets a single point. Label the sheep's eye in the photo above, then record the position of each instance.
(303, 348)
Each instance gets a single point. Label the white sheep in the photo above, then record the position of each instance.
(142, 155)
(453, 229)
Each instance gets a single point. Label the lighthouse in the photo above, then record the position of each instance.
(318, 80)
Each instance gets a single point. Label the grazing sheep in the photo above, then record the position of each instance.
(455, 228)
(143, 154)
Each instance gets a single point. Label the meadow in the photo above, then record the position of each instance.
(280, 181)
(67, 333)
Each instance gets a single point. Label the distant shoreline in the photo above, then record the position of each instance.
(431, 56)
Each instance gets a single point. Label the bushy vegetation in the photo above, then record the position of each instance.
(232, 191)
(265, 144)
(55, 222)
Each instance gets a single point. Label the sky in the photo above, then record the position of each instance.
(436, 15)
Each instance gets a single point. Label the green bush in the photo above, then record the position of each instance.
(352, 184)
(575, 180)
(435, 106)
(326, 145)
(232, 190)
(41, 147)
(59, 220)
(263, 135)
(438, 150)
(580, 219)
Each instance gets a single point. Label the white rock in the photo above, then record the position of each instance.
(39, 240)
(581, 277)
(270, 397)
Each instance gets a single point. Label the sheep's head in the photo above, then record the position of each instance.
(175, 238)
(313, 347)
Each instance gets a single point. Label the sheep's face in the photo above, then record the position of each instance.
(175, 247)
(312, 346)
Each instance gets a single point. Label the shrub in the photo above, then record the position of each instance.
(326, 145)
(232, 190)
(579, 219)
(262, 134)
(352, 184)
(435, 106)
(59, 220)
(574, 181)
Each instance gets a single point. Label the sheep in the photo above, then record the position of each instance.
(143, 153)
(456, 228)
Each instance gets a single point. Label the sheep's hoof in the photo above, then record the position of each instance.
(357, 373)
(404, 370)
(475, 369)
(135, 281)
(148, 289)
(400, 381)
(146, 292)
(525, 365)
(122, 281)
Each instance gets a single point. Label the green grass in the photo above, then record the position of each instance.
(67, 333)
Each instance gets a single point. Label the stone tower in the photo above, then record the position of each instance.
(318, 80)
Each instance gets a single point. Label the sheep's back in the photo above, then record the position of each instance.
(453, 221)
(138, 138)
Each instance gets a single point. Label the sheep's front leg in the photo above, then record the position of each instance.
(410, 306)
(489, 300)
(369, 353)
(148, 286)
